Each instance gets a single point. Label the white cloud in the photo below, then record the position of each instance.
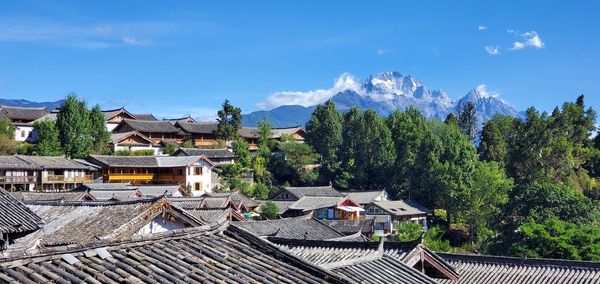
(530, 39)
(313, 97)
(492, 49)
(482, 28)
(484, 92)
(137, 42)
(384, 51)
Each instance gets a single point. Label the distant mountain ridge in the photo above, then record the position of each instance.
(385, 93)
(26, 103)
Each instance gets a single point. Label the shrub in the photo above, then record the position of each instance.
(408, 231)
(269, 210)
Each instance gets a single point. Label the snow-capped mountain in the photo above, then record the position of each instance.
(386, 92)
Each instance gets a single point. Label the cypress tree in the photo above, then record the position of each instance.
(100, 135)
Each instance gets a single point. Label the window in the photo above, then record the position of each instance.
(23, 133)
(198, 171)
(197, 186)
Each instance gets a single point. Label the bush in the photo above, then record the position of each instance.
(435, 239)
(24, 148)
(269, 210)
(408, 231)
(145, 152)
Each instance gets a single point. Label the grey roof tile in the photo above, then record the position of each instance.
(292, 228)
(22, 113)
(15, 217)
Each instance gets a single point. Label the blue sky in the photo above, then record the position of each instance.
(185, 57)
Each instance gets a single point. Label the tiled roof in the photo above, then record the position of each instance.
(402, 207)
(148, 126)
(187, 202)
(209, 153)
(46, 162)
(119, 194)
(291, 228)
(366, 197)
(194, 255)
(15, 217)
(197, 128)
(363, 262)
(351, 226)
(209, 215)
(23, 113)
(12, 162)
(237, 198)
(253, 132)
(145, 161)
(103, 186)
(308, 203)
(281, 205)
(384, 270)
(299, 192)
(145, 116)
(64, 195)
(479, 269)
(159, 190)
(79, 222)
(118, 137)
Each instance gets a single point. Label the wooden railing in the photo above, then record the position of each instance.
(59, 178)
(17, 179)
(145, 177)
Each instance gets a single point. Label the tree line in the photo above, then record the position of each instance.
(76, 133)
(529, 188)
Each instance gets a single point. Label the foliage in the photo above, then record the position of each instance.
(169, 148)
(265, 143)
(25, 148)
(324, 134)
(451, 120)
(485, 200)
(376, 238)
(231, 170)
(48, 142)
(142, 152)
(293, 163)
(269, 210)
(408, 231)
(229, 122)
(492, 146)
(555, 238)
(435, 239)
(100, 135)
(467, 120)
(8, 146)
(240, 149)
(74, 128)
(7, 128)
(188, 142)
(367, 151)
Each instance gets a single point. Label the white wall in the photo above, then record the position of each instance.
(157, 150)
(22, 133)
(110, 126)
(160, 224)
(205, 179)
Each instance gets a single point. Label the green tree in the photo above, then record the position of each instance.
(265, 132)
(412, 136)
(269, 210)
(557, 239)
(74, 127)
(324, 134)
(169, 148)
(485, 200)
(100, 135)
(229, 122)
(451, 119)
(188, 141)
(292, 164)
(467, 119)
(240, 149)
(47, 142)
(492, 146)
(451, 173)
(408, 231)
(7, 128)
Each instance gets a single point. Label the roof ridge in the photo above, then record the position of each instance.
(492, 259)
(92, 203)
(11, 256)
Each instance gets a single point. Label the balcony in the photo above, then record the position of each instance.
(63, 179)
(18, 179)
(150, 177)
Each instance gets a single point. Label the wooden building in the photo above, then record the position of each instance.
(157, 131)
